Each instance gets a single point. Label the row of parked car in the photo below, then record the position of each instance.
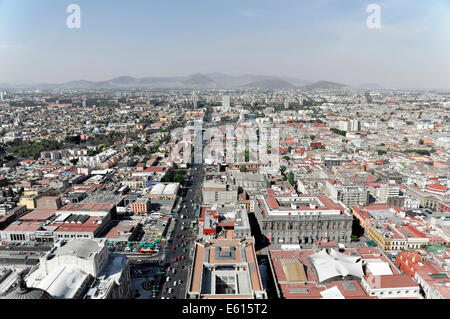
(18, 243)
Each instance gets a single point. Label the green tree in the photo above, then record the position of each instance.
(291, 178)
(10, 192)
(247, 155)
(339, 132)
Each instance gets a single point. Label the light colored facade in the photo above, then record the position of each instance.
(387, 191)
(391, 286)
(302, 219)
(225, 269)
(82, 268)
(215, 193)
(141, 206)
(349, 195)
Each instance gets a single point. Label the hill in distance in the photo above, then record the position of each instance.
(199, 80)
(195, 81)
(270, 84)
(325, 85)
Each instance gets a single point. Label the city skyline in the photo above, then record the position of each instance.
(327, 40)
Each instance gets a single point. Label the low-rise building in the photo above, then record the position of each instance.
(302, 219)
(219, 193)
(82, 269)
(140, 206)
(225, 269)
(327, 273)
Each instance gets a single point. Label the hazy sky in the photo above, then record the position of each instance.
(312, 40)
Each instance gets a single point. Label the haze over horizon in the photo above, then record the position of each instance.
(325, 40)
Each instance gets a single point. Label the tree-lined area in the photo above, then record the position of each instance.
(33, 149)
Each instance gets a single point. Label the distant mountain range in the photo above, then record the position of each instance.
(325, 85)
(270, 84)
(196, 81)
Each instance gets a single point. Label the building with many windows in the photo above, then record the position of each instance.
(218, 193)
(302, 219)
(349, 195)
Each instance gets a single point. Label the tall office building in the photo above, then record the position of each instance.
(355, 125)
(194, 100)
(226, 102)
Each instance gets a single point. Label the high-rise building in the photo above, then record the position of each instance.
(194, 100)
(226, 102)
(355, 126)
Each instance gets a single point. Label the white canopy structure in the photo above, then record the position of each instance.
(378, 267)
(64, 282)
(332, 293)
(336, 264)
